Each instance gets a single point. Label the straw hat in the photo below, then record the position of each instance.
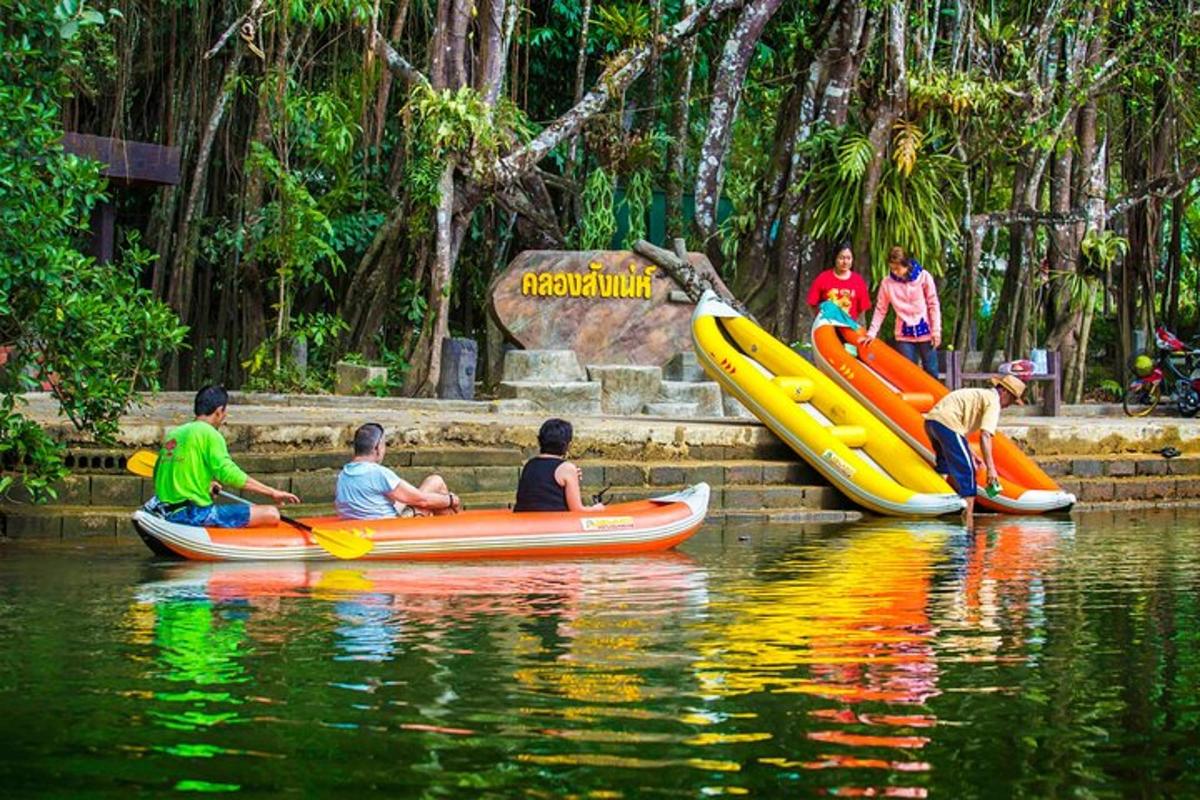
(1013, 385)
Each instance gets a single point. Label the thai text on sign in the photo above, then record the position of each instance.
(593, 283)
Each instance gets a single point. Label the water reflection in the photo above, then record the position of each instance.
(843, 621)
(1031, 657)
(570, 641)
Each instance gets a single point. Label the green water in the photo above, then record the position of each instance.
(1033, 658)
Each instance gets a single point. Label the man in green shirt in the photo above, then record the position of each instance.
(194, 464)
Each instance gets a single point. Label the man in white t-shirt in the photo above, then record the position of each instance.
(368, 490)
(960, 414)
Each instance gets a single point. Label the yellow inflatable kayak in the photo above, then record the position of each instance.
(815, 417)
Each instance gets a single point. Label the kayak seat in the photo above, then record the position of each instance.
(800, 390)
(849, 435)
(921, 401)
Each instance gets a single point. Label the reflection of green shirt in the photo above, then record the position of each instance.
(191, 458)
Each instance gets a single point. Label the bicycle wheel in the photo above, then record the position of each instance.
(1142, 399)
(1187, 399)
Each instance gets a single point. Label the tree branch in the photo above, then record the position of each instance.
(396, 62)
(692, 278)
(250, 16)
(621, 72)
(1164, 186)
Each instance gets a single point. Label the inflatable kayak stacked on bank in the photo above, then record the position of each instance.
(827, 427)
(622, 528)
(899, 393)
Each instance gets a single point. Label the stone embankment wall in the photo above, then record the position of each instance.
(98, 498)
(299, 443)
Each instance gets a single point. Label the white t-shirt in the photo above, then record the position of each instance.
(968, 410)
(362, 488)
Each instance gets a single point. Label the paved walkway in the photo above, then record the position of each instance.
(262, 422)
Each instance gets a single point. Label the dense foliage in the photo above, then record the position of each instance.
(85, 330)
(356, 173)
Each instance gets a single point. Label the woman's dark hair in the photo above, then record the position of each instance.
(209, 399)
(842, 246)
(366, 437)
(555, 437)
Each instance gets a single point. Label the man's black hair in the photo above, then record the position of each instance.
(555, 437)
(209, 399)
(366, 437)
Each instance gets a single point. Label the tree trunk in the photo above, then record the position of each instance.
(384, 89)
(182, 272)
(998, 330)
(727, 93)
(678, 146)
(824, 98)
(489, 79)
(972, 252)
(888, 110)
(575, 154)
(427, 359)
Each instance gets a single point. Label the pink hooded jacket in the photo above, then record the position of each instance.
(918, 312)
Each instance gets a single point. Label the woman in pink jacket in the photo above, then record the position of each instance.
(911, 291)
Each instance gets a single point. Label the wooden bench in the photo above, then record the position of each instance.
(954, 376)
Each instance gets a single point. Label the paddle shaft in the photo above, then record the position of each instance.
(293, 522)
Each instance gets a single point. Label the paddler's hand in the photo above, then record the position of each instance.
(282, 497)
(936, 340)
(214, 489)
(993, 479)
(865, 340)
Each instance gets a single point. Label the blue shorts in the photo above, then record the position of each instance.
(214, 516)
(953, 457)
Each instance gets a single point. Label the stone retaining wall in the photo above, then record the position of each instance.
(98, 500)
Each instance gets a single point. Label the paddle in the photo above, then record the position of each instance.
(346, 544)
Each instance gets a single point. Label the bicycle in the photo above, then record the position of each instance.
(1176, 369)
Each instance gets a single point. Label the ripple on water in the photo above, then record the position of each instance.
(1035, 657)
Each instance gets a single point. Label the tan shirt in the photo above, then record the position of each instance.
(968, 410)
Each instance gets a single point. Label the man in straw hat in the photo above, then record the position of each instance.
(958, 415)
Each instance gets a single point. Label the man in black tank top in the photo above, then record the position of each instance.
(548, 481)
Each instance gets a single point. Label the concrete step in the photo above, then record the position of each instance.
(625, 389)
(1140, 489)
(706, 396)
(672, 410)
(1120, 466)
(733, 408)
(550, 366)
(568, 398)
(684, 367)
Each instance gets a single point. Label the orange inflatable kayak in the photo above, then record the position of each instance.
(638, 527)
(445, 589)
(900, 392)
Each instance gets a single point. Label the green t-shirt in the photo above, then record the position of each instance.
(191, 458)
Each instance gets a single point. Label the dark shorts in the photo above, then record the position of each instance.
(214, 516)
(953, 457)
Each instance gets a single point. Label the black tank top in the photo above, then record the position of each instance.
(537, 490)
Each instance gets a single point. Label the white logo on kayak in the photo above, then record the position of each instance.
(606, 523)
(838, 463)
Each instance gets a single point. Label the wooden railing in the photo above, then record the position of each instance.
(954, 375)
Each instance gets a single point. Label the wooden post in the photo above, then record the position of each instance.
(104, 231)
(953, 369)
(456, 381)
(1054, 395)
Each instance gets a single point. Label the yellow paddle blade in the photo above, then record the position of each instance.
(142, 463)
(343, 580)
(346, 544)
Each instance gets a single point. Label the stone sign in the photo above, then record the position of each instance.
(609, 306)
